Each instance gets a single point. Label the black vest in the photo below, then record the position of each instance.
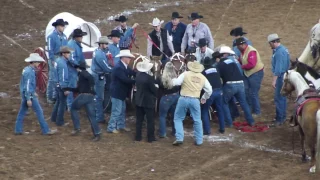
(156, 40)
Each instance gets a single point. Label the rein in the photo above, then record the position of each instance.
(178, 55)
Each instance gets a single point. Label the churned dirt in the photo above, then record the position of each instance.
(235, 155)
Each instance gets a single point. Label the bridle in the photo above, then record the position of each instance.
(177, 57)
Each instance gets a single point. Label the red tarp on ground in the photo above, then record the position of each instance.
(244, 127)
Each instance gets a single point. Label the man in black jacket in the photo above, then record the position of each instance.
(85, 98)
(145, 100)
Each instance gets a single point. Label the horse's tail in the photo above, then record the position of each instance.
(318, 142)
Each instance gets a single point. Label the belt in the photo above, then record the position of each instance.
(234, 82)
(87, 94)
(190, 97)
(171, 94)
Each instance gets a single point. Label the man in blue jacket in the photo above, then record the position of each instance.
(55, 40)
(126, 42)
(176, 29)
(121, 84)
(76, 57)
(237, 33)
(63, 68)
(101, 70)
(29, 97)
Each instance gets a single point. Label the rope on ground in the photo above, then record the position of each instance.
(29, 6)
(222, 17)
(14, 42)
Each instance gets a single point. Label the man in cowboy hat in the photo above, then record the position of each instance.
(114, 48)
(29, 97)
(203, 51)
(55, 40)
(85, 99)
(121, 84)
(232, 86)
(280, 64)
(125, 43)
(192, 82)
(146, 96)
(213, 76)
(76, 58)
(195, 31)
(253, 69)
(101, 70)
(159, 42)
(238, 33)
(63, 69)
(176, 29)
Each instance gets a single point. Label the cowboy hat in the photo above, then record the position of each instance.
(194, 16)
(207, 62)
(226, 50)
(78, 33)
(65, 49)
(202, 42)
(176, 15)
(115, 33)
(195, 66)
(144, 66)
(238, 31)
(121, 19)
(60, 22)
(240, 41)
(125, 53)
(34, 57)
(156, 22)
(104, 40)
(273, 37)
(82, 65)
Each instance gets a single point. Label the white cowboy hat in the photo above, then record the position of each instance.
(273, 37)
(125, 53)
(144, 66)
(34, 57)
(226, 50)
(195, 66)
(156, 22)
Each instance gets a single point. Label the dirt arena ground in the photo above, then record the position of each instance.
(234, 155)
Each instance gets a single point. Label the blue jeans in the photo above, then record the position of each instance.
(88, 102)
(107, 95)
(193, 105)
(237, 90)
(73, 79)
(280, 101)
(52, 81)
(99, 89)
(22, 113)
(118, 115)
(216, 99)
(59, 108)
(167, 103)
(252, 86)
(233, 108)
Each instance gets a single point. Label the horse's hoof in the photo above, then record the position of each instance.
(305, 159)
(312, 169)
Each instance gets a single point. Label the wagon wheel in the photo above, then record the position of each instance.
(42, 72)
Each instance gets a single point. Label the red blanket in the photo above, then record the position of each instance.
(244, 127)
(304, 102)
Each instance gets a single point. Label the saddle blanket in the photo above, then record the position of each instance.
(300, 105)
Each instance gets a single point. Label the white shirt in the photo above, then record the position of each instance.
(125, 65)
(200, 56)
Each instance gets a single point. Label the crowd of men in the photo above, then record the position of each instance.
(220, 76)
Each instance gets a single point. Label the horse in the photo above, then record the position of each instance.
(310, 75)
(311, 53)
(178, 61)
(308, 117)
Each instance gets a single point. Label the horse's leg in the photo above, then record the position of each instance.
(313, 157)
(304, 155)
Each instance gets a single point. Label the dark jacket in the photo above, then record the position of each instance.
(229, 70)
(213, 76)
(146, 91)
(165, 91)
(155, 39)
(121, 82)
(177, 35)
(85, 83)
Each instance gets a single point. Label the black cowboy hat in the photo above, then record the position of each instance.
(115, 33)
(176, 15)
(194, 16)
(207, 62)
(216, 55)
(202, 42)
(60, 22)
(121, 19)
(238, 31)
(240, 41)
(82, 65)
(78, 33)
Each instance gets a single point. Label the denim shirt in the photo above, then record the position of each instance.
(125, 41)
(99, 62)
(280, 60)
(114, 50)
(177, 35)
(235, 48)
(28, 82)
(76, 57)
(63, 72)
(55, 40)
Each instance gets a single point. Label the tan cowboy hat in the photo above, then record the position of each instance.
(65, 49)
(34, 57)
(125, 53)
(195, 66)
(104, 40)
(273, 37)
(156, 22)
(144, 66)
